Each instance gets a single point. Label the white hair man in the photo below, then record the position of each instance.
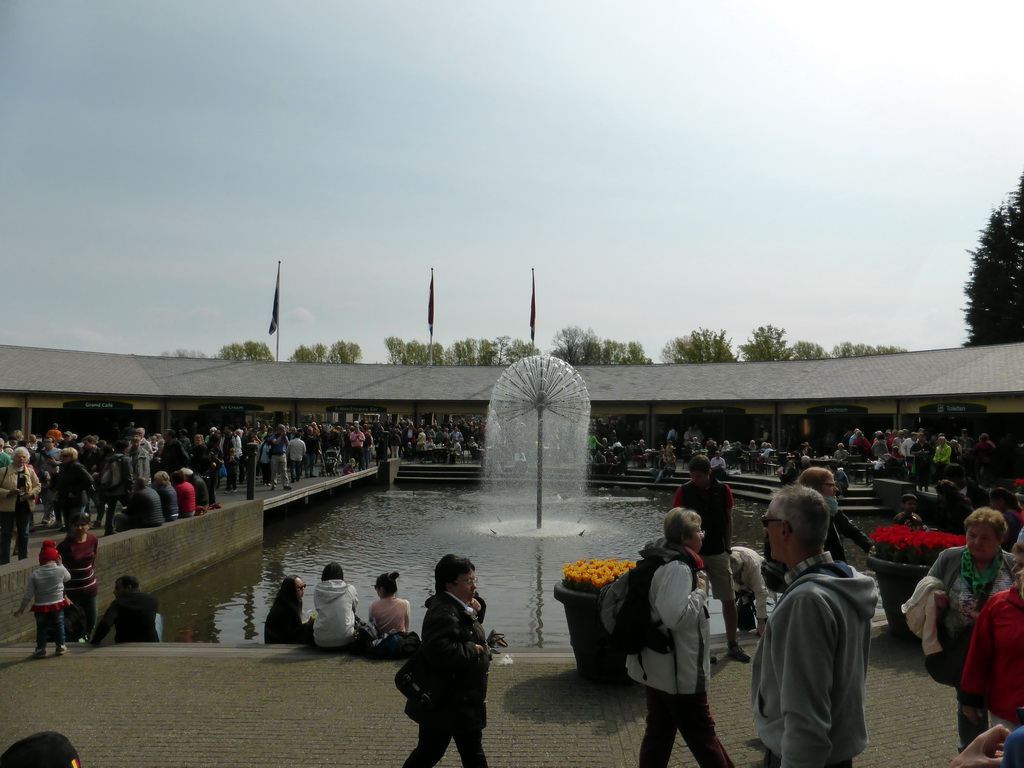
(810, 671)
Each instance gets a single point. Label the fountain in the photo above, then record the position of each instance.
(537, 427)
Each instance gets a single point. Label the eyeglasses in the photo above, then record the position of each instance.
(467, 582)
(766, 521)
(701, 534)
(300, 586)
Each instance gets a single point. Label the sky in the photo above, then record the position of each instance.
(663, 166)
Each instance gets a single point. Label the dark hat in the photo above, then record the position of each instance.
(47, 749)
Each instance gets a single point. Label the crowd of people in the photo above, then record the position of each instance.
(63, 593)
(809, 673)
(141, 480)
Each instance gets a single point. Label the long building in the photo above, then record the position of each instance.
(979, 389)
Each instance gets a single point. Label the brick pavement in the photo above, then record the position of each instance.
(248, 705)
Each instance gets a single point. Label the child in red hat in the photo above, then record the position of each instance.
(45, 589)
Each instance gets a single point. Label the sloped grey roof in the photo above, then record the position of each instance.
(960, 372)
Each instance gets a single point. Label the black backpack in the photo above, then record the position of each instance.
(625, 608)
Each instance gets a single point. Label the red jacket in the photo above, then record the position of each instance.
(994, 675)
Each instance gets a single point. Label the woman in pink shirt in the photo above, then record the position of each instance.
(356, 438)
(389, 612)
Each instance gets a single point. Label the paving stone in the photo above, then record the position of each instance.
(252, 706)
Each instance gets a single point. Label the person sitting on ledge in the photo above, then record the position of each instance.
(718, 466)
(334, 602)
(143, 511)
(168, 496)
(667, 461)
(133, 615)
(284, 623)
(389, 612)
(202, 492)
(186, 493)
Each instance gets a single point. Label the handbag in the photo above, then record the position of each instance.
(946, 667)
(412, 681)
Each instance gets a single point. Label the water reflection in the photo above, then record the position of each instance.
(371, 531)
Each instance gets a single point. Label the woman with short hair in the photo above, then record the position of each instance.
(993, 678)
(970, 575)
(840, 526)
(168, 496)
(675, 682)
(19, 486)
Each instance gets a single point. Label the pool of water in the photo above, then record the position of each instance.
(371, 531)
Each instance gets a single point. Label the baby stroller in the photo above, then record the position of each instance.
(331, 461)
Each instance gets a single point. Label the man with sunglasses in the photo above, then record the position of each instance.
(810, 670)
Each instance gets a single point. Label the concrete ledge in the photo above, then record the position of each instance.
(156, 556)
(890, 491)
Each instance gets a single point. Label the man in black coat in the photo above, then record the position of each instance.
(144, 509)
(454, 663)
(133, 615)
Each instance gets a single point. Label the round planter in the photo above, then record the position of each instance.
(896, 583)
(593, 660)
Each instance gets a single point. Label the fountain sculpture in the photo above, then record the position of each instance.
(537, 428)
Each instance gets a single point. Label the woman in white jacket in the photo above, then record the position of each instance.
(676, 683)
(335, 604)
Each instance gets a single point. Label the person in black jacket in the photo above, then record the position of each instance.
(455, 660)
(144, 509)
(74, 484)
(133, 615)
(284, 621)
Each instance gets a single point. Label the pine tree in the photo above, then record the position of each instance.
(995, 291)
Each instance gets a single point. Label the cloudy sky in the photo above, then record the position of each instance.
(664, 166)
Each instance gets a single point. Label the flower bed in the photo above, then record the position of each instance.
(900, 544)
(590, 575)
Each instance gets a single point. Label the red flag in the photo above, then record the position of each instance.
(533, 308)
(430, 306)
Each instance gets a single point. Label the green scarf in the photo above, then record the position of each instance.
(979, 584)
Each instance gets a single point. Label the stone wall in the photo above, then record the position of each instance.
(156, 556)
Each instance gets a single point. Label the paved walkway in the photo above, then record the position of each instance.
(250, 706)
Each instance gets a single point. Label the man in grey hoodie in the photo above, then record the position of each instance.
(810, 671)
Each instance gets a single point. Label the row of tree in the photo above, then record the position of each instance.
(573, 344)
(765, 343)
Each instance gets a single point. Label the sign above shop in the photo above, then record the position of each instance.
(837, 408)
(234, 407)
(356, 409)
(714, 410)
(946, 408)
(97, 405)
